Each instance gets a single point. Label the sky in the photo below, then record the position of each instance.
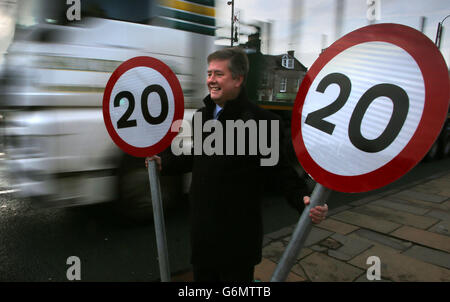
(307, 26)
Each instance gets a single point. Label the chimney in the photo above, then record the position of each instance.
(291, 53)
(254, 42)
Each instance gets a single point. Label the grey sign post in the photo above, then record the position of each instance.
(158, 217)
(145, 135)
(301, 232)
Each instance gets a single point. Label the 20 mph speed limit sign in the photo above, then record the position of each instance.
(141, 101)
(370, 107)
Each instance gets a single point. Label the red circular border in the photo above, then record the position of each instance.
(178, 100)
(437, 92)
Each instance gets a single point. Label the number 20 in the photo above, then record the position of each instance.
(397, 95)
(125, 122)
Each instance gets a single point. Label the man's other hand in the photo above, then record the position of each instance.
(317, 213)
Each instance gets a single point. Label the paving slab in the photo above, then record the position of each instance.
(415, 195)
(349, 249)
(401, 268)
(368, 222)
(421, 204)
(332, 212)
(337, 226)
(439, 186)
(396, 216)
(331, 243)
(442, 228)
(298, 269)
(374, 243)
(422, 237)
(266, 240)
(274, 251)
(441, 215)
(265, 269)
(322, 268)
(400, 206)
(281, 233)
(316, 235)
(304, 252)
(365, 200)
(429, 255)
(319, 248)
(385, 240)
(438, 189)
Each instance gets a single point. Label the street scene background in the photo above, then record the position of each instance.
(66, 190)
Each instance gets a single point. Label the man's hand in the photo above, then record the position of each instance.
(155, 158)
(317, 213)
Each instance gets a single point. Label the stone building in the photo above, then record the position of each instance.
(273, 78)
(280, 79)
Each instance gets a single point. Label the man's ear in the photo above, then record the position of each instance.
(240, 81)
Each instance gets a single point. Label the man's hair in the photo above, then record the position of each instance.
(238, 61)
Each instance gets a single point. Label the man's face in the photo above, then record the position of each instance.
(221, 85)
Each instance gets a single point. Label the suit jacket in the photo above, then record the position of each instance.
(225, 194)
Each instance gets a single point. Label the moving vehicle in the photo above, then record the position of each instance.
(57, 147)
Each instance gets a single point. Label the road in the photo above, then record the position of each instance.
(35, 243)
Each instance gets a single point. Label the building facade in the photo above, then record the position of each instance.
(281, 78)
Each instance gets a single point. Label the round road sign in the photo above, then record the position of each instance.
(370, 107)
(142, 100)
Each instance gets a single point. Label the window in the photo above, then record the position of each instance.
(287, 62)
(283, 84)
(297, 85)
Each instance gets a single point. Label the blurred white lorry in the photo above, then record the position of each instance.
(55, 142)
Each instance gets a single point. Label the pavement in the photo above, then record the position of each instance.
(406, 228)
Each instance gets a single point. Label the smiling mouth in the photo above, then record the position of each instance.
(214, 88)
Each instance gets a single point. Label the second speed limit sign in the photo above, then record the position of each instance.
(370, 107)
(141, 101)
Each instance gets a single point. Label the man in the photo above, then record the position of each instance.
(225, 195)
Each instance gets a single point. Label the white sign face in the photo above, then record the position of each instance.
(142, 100)
(377, 89)
(129, 119)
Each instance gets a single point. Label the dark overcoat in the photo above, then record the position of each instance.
(225, 194)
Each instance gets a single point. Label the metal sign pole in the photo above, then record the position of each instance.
(158, 218)
(301, 232)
